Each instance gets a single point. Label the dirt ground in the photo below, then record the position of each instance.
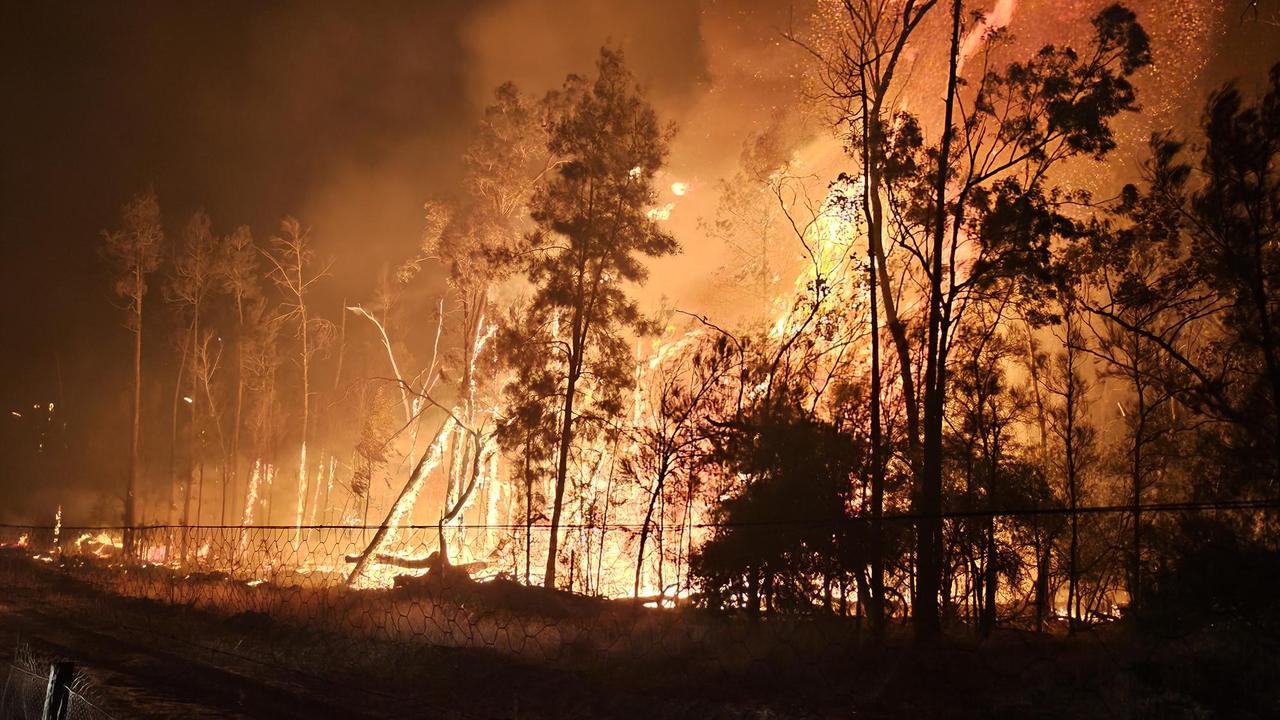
(151, 660)
(148, 660)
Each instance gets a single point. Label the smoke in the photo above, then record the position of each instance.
(351, 119)
(719, 70)
(998, 18)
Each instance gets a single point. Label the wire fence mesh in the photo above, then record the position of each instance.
(301, 577)
(24, 695)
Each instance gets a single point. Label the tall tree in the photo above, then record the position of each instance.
(982, 411)
(593, 231)
(135, 251)
(1077, 439)
(194, 280)
(748, 221)
(239, 277)
(476, 238)
(1212, 303)
(980, 216)
(294, 273)
(858, 64)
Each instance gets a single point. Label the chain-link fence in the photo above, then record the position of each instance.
(305, 578)
(302, 579)
(25, 697)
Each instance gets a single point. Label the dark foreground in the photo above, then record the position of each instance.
(151, 660)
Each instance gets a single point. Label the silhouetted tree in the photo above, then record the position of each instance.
(1077, 440)
(787, 522)
(593, 229)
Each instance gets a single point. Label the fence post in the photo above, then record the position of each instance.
(57, 697)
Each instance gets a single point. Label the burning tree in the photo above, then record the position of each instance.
(476, 238)
(193, 281)
(974, 215)
(291, 258)
(238, 276)
(135, 252)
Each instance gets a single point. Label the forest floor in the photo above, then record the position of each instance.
(151, 660)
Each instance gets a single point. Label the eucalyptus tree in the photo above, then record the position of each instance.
(240, 278)
(190, 290)
(292, 262)
(593, 233)
(135, 251)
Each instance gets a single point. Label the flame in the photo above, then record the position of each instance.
(302, 493)
(251, 501)
(105, 544)
(661, 213)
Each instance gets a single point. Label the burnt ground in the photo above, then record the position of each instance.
(150, 660)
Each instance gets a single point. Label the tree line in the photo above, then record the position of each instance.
(971, 339)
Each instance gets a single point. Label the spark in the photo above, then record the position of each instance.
(15, 413)
(679, 188)
(186, 399)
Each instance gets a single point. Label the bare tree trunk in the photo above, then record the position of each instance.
(562, 469)
(875, 608)
(1139, 437)
(404, 502)
(306, 419)
(1043, 558)
(528, 508)
(235, 431)
(990, 581)
(644, 528)
(136, 437)
(929, 530)
(1069, 457)
(174, 482)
